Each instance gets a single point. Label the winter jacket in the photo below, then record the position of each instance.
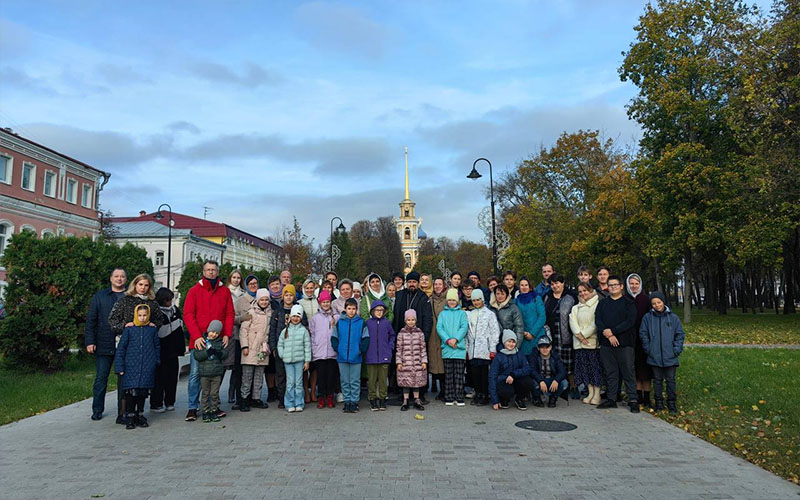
(662, 337)
(452, 324)
(534, 318)
(620, 316)
(581, 320)
(98, 331)
(369, 296)
(210, 360)
(504, 365)
(411, 353)
(173, 343)
(509, 317)
(241, 309)
(557, 311)
(279, 321)
(254, 334)
(350, 339)
(320, 328)
(123, 310)
(418, 301)
(559, 371)
(310, 305)
(296, 347)
(204, 304)
(483, 333)
(381, 339)
(138, 354)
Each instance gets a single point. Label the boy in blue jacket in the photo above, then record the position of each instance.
(662, 339)
(509, 375)
(350, 340)
(549, 373)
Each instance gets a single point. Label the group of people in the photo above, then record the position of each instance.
(509, 341)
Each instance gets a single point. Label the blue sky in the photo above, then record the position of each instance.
(265, 110)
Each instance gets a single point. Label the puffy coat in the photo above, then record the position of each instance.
(254, 335)
(509, 317)
(662, 337)
(279, 321)
(241, 311)
(98, 331)
(483, 333)
(381, 339)
(296, 347)
(320, 328)
(203, 305)
(138, 354)
(504, 365)
(123, 310)
(581, 320)
(559, 371)
(210, 360)
(452, 324)
(534, 318)
(310, 305)
(435, 360)
(350, 339)
(411, 353)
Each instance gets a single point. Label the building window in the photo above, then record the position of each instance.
(407, 212)
(26, 227)
(28, 176)
(50, 183)
(86, 196)
(159, 258)
(6, 168)
(72, 191)
(6, 230)
(47, 233)
(408, 233)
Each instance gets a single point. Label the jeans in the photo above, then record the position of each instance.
(350, 376)
(194, 383)
(103, 363)
(537, 391)
(619, 361)
(659, 374)
(294, 385)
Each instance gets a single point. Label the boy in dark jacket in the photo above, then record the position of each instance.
(662, 339)
(509, 375)
(549, 373)
(138, 354)
(211, 369)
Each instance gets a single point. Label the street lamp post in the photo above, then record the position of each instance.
(340, 227)
(476, 175)
(159, 216)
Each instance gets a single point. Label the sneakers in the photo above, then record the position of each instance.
(449, 403)
(504, 405)
(257, 403)
(537, 402)
(520, 404)
(121, 420)
(460, 402)
(298, 409)
(607, 403)
(339, 397)
(482, 399)
(170, 408)
(354, 408)
(158, 409)
(291, 410)
(206, 418)
(220, 413)
(382, 405)
(130, 422)
(191, 415)
(373, 405)
(140, 421)
(418, 405)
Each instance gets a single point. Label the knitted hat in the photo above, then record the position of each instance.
(262, 292)
(477, 294)
(215, 326)
(289, 289)
(452, 294)
(297, 310)
(324, 295)
(357, 286)
(473, 273)
(411, 313)
(544, 342)
(658, 295)
(250, 278)
(413, 275)
(509, 335)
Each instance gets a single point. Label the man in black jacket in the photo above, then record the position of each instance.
(615, 318)
(101, 341)
(411, 297)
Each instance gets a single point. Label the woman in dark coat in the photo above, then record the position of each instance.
(644, 374)
(139, 292)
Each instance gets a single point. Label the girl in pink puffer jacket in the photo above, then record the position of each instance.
(412, 360)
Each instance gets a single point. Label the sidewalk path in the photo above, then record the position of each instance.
(459, 453)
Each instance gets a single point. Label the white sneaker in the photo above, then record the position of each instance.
(160, 409)
(449, 403)
(170, 408)
(298, 408)
(469, 395)
(291, 410)
(460, 403)
(339, 397)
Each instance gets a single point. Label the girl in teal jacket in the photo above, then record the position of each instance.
(451, 326)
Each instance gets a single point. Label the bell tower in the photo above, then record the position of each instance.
(408, 228)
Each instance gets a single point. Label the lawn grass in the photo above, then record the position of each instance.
(745, 401)
(708, 327)
(26, 394)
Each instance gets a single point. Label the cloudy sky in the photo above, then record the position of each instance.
(265, 110)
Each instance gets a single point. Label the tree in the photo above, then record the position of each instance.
(346, 265)
(298, 248)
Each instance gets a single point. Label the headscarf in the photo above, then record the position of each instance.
(429, 289)
(306, 282)
(628, 284)
(275, 295)
(373, 294)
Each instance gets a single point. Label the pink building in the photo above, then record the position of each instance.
(44, 191)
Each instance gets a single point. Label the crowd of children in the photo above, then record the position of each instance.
(507, 342)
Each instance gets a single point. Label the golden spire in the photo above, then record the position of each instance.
(406, 150)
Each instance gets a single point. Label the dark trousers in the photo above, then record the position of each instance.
(280, 378)
(327, 376)
(659, 374)
(454, 379)
(166, 383)
(618, 363)
(520, 388)
(480, 376)
(103, 364)
(134, 402)
(235, 385)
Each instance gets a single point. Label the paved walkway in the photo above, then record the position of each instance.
(462, 453)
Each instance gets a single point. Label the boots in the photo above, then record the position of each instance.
(595, 400)
(672, 406)
(321, 402)
(551, 401)
(659, 406)
(331, 403)
(644, 399)
(588, 397)
(244, 405)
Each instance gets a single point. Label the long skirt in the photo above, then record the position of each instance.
(567, 355)
(588, 367)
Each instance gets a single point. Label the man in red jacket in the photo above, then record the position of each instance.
(206, 301)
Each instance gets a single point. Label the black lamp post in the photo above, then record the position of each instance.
(159, 216)
(340, 227)
(475, 175)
